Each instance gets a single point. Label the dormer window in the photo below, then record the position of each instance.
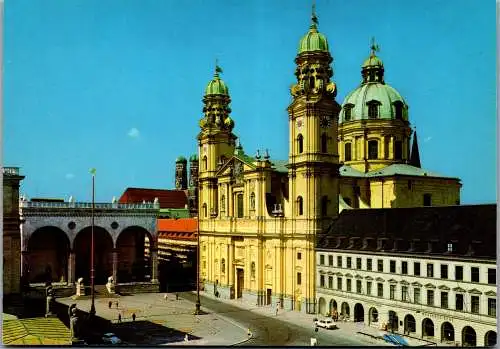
(398, 109)
(348, 112)
(373, 109)
(372, 150)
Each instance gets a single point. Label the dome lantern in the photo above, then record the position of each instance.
(372, 69)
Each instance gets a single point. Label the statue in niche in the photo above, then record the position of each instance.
(50, 299)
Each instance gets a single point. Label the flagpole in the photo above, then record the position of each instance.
(92, 267)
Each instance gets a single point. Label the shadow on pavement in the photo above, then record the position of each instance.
(144, 332)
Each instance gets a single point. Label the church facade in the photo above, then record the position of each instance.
(259, 217)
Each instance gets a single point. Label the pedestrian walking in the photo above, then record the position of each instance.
(116, 303)
(176, 296)
(277, 308)
(119, 317)
(110, 303)
(165, 296)
(133, 316)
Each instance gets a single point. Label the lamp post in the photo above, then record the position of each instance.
(278, 213)
(198, 303)
(92, 267)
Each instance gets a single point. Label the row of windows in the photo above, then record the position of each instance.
(460, 304)
(324, 143)
(373, 110)
(373, 150)
(404, 268)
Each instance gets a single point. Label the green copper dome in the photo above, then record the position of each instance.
(372, 61)
(217, 86)
(313, 41)
(384, 96)
(181, 159)
(193, 157)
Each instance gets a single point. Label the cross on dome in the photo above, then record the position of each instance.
(374, 47)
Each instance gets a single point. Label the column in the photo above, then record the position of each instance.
(115, 265)
(154, 262)
(382, 148)
(230, 268)
(71, 267)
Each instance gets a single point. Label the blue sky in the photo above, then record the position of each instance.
(117, 84)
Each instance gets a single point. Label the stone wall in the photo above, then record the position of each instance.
(138, 287)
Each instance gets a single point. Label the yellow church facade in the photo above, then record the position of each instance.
(258, 217)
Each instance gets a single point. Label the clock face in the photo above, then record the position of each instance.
(324, 121)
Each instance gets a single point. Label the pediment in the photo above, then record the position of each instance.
(392, 281)
(416, 284)
(379, 279)
(357, 276)
(322, 272)
(430, 285)
(491, 294)
(459, 289)
(404, 282)
(444, 287)
(339, 274)
(475, 291)
(368, 278)
(234, 166)
(331, 272)
(348, 275)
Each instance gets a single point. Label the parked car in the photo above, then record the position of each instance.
(111, 338)
(326, 323)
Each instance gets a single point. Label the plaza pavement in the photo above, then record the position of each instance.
(346, 329)
(34, 331)
(166, 321)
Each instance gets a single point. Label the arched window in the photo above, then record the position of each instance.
(373, 110)
(239, 203)
(300, 144)
(204, 161)
(372, 150)
(398, 108)
(223, 266)
(205, 210)
(300, 206)
(324, 143)
(347, 152)
(252, 270)
(223, 203)
(324, 206)
(348, 112)
(252, 202)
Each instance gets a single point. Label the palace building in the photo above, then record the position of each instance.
(259, 217)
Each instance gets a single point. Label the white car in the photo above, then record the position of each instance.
(111, 338)
(326, 323)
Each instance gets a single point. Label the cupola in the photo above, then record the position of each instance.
(313, 41)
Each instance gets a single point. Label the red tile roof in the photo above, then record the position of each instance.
(167, 198)
(181, 225)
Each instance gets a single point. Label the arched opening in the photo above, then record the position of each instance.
(410, 325)
(134, 264)
(322, 306)
(300, 206)
(324, 143)
(48, 255)
(490, 338)
(393, 321)
(300, 144)
(468, 337)
(373, 110)
(427, 328)
(345, 311)
(103, 255)
(348, 112)
(373, 315)
(398, 109)
(359, 313)
(347, 152)
(447, 332)
(333, 306)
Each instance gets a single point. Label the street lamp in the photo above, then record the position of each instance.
(278, 213)
(92, 267)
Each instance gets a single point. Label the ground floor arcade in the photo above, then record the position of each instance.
(430, 325)
(50, 255)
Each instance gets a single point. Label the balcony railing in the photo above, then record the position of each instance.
(13, 171)
(88, 205)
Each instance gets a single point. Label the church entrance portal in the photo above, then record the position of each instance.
(268, 296)
(239, 285)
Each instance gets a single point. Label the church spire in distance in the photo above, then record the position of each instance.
(415, 154)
